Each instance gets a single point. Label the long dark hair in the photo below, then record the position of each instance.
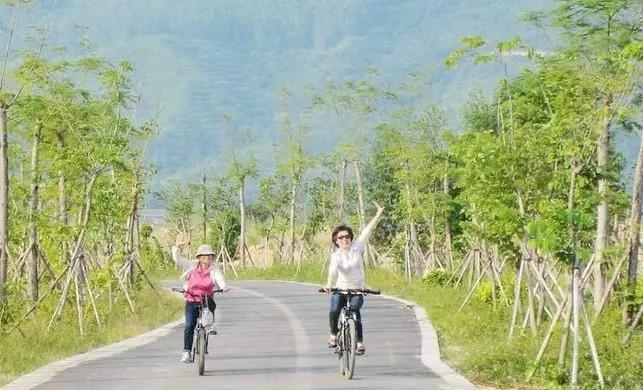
(341, 228)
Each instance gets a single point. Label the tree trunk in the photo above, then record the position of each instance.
(291, 221)
(32, 263)
(516, 304)
(129, 239)
(63, 217)
(407, 254)
(242, 219)
(361, 207)
(265, 253)
(360, 196)
(635, 224)
(601, 216)
(576, 288)
(132, 215)
(448, 227)
(575, 321)
(412, 232)
(4, 197)
(205, 212)
(432, 259)
(342, 184)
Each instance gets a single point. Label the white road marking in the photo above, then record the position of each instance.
(430, 346)
(302, 344)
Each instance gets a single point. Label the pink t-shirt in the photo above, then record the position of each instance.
(199, 283)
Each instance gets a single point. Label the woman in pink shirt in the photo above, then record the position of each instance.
(200, 278)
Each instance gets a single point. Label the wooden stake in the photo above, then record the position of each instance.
(592, 346)
(516, 306)
(576, 337)
(79, 308)
(630, 330)
(566, 329)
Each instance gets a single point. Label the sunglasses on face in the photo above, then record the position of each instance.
(344, 237)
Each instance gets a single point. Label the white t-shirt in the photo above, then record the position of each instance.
(346, 269)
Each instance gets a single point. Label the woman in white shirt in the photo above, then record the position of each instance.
(346, 271)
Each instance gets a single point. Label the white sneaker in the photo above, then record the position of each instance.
(186, 358)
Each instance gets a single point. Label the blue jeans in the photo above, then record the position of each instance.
(337, 302)
(192, 310)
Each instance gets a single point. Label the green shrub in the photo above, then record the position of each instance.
(437, 277)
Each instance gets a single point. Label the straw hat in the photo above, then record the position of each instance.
(204, 249)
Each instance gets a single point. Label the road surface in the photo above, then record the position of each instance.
(272, 335)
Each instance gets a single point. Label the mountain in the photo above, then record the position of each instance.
(198, 60)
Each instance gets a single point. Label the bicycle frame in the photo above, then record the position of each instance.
(201, 335)
(347, 338)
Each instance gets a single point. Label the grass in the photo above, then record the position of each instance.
(19, 355)
(475, 340)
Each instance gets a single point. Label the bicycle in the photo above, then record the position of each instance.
(346, 336)
(202, 331)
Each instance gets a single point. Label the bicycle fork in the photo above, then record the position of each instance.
(343, 320)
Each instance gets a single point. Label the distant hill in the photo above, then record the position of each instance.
(197, 60)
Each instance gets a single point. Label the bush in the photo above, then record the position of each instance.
(437, 277)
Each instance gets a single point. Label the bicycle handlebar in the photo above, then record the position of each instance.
(183, 291)
(350, 291)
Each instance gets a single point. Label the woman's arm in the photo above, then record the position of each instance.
(332, 274)
(178, 258)
(368, 229)
(217, 277)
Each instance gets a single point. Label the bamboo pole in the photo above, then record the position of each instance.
(592, 346)
(516, 305)
(63, 297)
(93, 303)
(566, 329)
(545, 343)
(471, 292)
(79, 308)
(610, 285)
(575, 319)
(530, 302)
(630, 330)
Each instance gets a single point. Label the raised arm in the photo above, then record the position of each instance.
(368, 229)
(177, 256)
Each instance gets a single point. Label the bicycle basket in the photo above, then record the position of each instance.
(207, 319)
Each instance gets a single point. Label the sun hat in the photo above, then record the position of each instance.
(204, 249)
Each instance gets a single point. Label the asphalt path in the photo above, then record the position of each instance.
(271, 335)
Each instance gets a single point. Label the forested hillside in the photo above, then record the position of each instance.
(195, 64)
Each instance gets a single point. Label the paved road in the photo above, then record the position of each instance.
(272, 335)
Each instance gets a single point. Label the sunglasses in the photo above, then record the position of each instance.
(347, 237)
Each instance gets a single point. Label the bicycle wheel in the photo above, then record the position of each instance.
(350, 340)
(200, 347)
(341, 355)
